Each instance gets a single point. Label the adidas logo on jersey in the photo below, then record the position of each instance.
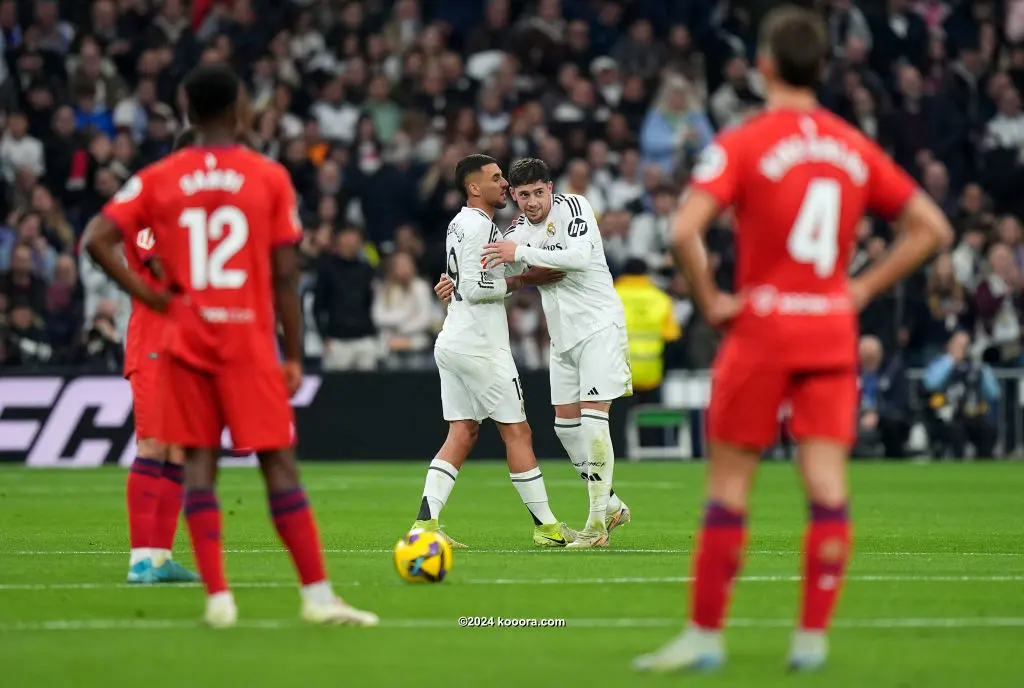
(592, 392)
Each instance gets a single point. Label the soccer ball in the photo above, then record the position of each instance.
(422, 557)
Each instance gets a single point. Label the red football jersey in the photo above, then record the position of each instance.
(216, 214)
(145, 327)
(799, 183)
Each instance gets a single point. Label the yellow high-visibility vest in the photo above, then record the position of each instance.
(650, 323)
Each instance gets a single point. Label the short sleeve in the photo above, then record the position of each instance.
(717, 170)
(128, 210)
(287, 225)
(889, 187)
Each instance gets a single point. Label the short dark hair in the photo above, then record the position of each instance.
(528, 171)
(797, 41)
(635, 266)
(212, 91)
(470, 165)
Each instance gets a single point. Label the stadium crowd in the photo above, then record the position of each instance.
(369, 103)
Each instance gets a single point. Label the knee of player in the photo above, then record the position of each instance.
(464, 431)
(515, 433)
(150, 448)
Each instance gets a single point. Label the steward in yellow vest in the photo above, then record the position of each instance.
(650, 323)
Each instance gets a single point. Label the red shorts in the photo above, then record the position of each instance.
(145, 384)
(251, 401)
(746, 398)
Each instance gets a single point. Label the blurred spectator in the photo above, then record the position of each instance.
(650, 232)
(104, 348)
(963, 392)
(1000, 309)
(63, 314)
(945, 308)
(885, 416)
(403, 311)
(21, 283)
(19, 150)
(25, 342)
(675, 125)
(734, 98)
(343, 304)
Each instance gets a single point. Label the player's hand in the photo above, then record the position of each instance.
(292, 371)
(859, 295)
(498, 253)
(722, 309)
(538, 277)
(444, 288)
(159, 301)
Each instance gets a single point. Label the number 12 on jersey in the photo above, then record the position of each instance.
(226, 224)
(814, 238)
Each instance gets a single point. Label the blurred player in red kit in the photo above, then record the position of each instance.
(799, 179)
(225, 223)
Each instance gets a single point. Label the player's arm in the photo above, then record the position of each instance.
(472, 283)
(286, 233)
(122, 218)
(923, 228)
(580, 239)
(713, 189)
(285, 270)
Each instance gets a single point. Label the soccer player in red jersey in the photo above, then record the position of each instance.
(799, 179)
(226, 224)
(154, 490)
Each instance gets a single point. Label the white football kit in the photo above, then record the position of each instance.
(586, 321)
(479, 378)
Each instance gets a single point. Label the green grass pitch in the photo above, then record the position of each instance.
(935, 595)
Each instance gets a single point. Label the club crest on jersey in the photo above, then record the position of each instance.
(551, 229)
(145, 240)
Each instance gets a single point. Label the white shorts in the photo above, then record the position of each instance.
(596, 369)
(480, 387)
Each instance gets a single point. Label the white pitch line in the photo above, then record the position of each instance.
(545, 551)
(278, 624)
(529, 581)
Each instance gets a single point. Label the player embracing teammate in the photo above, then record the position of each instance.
(799, 179)
(225, 222)
(589, 347)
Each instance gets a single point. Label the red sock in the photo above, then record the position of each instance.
(826, 551)
(293, 519)
(144, 491)
(715, 565)
(168, 511)
(202, 512)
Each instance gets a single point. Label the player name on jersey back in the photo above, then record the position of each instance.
(477, 323)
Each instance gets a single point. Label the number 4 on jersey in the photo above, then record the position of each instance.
(814, 238)
(207, 267)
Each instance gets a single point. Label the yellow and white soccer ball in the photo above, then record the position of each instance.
(422, 556)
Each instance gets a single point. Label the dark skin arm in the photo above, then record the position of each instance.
(285, 269)
(102, 241)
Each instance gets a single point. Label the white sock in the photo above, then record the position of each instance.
(530, 486)
(600, 464)
(439, 484)
(138, 554)
(160, 556)
(318, 593)
(570, 433)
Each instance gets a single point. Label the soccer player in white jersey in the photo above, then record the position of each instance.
(589, 348)
(479, 379)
